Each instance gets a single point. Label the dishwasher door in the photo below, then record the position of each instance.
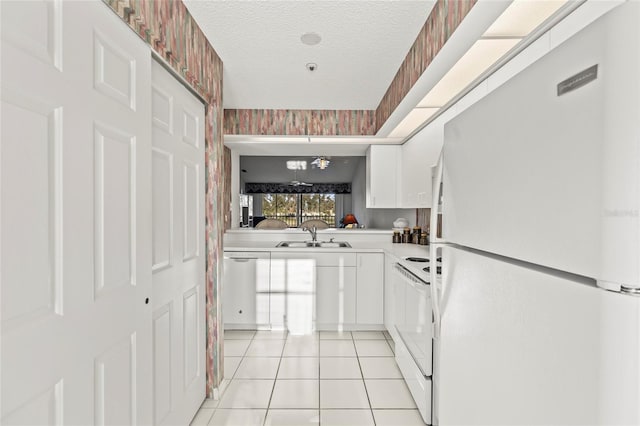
(245, 290)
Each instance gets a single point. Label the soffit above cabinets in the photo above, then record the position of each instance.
(303, 145)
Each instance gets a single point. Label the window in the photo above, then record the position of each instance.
(296, 208)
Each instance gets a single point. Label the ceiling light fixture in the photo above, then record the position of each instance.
(297, 165)
(321, 163)
(312, 66)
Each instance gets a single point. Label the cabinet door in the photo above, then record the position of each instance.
(335, 296)
(370, 288)
(292, 290)
(382, 176)
(246, 288)
(389, 299)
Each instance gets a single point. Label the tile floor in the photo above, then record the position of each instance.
(327, 378)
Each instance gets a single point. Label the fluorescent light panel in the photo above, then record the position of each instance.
(522, 17)
(483, 54)
(515, 23)
(416, 117)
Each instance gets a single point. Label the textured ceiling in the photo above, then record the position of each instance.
(363, 44)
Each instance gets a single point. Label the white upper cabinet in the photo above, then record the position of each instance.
(383, 163)
(418, 155)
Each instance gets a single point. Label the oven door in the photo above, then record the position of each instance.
(414, 317)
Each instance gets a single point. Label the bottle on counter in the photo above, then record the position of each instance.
(396, 237)
(424, 239)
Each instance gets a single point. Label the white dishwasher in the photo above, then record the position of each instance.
(245, 291)
(413, 321)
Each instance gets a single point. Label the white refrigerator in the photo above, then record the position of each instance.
(537, 312)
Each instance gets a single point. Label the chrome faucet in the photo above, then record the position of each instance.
(314, 232)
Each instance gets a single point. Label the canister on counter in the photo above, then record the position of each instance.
(415, 236)
(424, 239)
(406, 235)
(396, 237)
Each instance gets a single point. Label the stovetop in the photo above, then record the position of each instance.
(417, 259)
(416, 265)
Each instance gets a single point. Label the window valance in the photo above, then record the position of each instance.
(280, 188)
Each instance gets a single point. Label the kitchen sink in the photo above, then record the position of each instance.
(311, 244)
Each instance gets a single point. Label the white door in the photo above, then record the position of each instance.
(75, 202)
(179, 339)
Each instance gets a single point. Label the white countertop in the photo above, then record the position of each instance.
(398, 251)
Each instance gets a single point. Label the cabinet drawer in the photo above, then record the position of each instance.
(320, 259)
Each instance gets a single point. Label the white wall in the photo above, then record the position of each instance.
(236, 186)
(358, 192)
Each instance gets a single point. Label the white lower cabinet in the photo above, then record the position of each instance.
(292, 291)
(245, 291)
(335, 297)
(313, 291)
(303, 291)
(370, 288)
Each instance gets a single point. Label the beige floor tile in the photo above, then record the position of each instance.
(398, 417)
(337, 348)
(236, 347)
(335, 335)
(340, 368)
(202, 417)
(257, 368)
(368, 335)
(265, 348)
(346, 418)
(237, 417)
(231, 364)
(299, 368)
(292, 418)
(295, 394)
(372, 348)
(380, 368)
(247, 394)
(389, 394)
(343, 394)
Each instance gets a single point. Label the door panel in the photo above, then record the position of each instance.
(162, 368)
(178, 242)
(162, 175)
(75, 198)
(29, 221)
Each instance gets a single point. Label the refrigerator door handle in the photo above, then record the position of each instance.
(435, 283)
(433, 253)
(435, 204)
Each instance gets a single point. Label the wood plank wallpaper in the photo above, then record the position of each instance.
(167, 26)
(271, 122)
